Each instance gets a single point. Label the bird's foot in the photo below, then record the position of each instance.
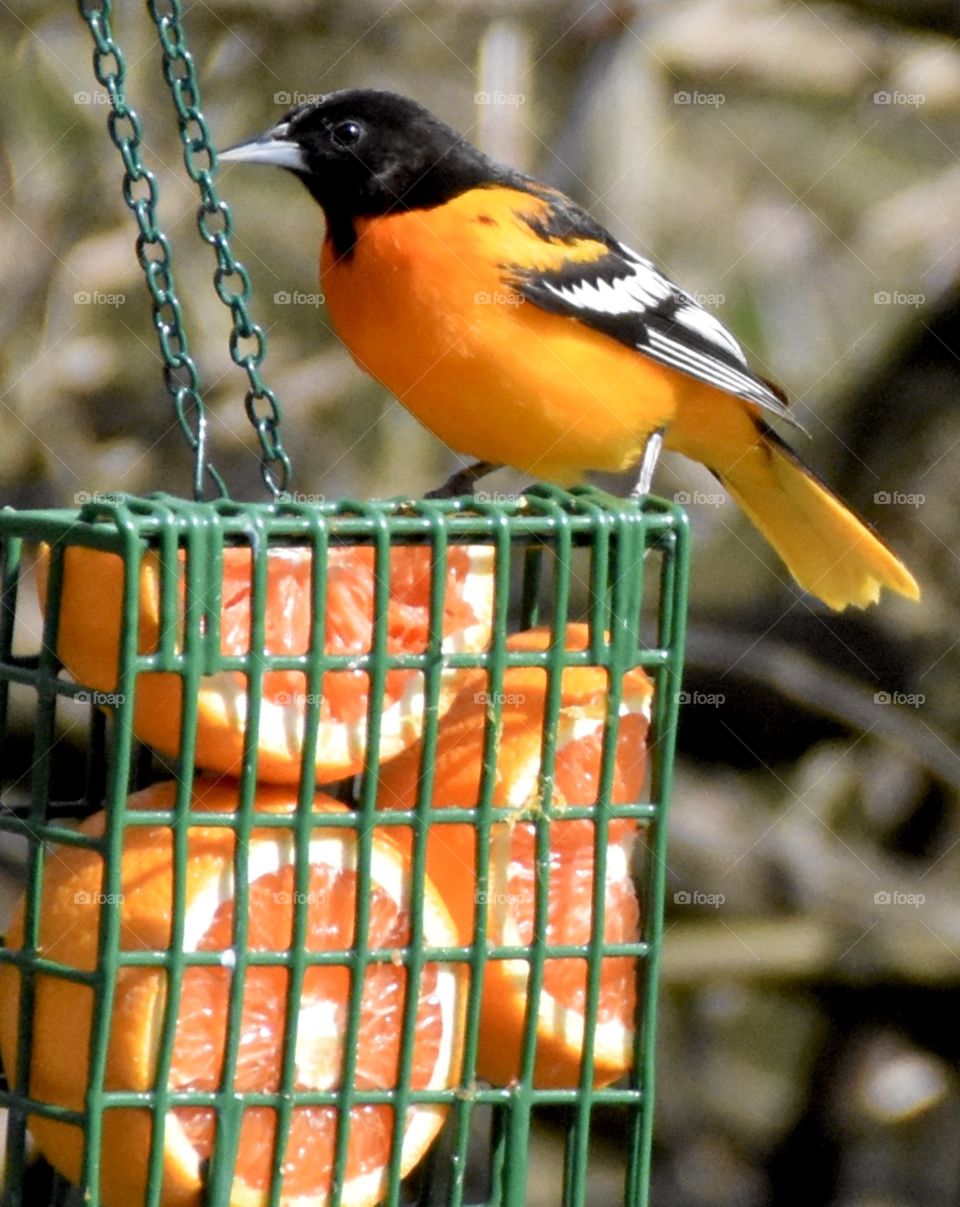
(648, 463)
(463, 481)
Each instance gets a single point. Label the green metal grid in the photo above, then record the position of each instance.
(559, 557)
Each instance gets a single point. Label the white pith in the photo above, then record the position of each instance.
(223, 696)
(272, 854)
(613, 1042)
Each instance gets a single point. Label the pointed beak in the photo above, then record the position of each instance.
(272, 147)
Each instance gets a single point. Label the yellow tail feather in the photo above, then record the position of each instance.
(828, 550)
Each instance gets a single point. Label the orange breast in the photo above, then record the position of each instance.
(422, 306)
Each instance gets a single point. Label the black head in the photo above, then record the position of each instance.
(363, 153)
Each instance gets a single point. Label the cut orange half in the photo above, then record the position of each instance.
(451, 859)
(90, 632)
(69, 920)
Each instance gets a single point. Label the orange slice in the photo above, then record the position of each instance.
(451, 859)
(89, 641)
(69, 921)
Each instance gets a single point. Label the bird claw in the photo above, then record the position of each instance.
(463, 481)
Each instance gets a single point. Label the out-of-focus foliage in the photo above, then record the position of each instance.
(796, 166)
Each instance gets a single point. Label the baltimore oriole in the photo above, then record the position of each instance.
(522, 333)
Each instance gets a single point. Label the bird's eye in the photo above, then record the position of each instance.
(347, 134)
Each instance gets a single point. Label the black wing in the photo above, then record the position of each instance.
(625, 296)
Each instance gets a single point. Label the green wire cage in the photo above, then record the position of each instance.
(161, 661)
(554, 556)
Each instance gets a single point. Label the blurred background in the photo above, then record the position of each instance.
(796, 167)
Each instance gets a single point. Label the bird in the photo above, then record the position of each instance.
(522, 333)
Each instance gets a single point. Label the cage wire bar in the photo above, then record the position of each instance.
(558, 556)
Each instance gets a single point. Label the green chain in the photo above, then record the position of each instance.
(231, 281)
(248, 342)
(141, 192)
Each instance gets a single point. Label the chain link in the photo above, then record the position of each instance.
(248, 341)
(141, 194)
